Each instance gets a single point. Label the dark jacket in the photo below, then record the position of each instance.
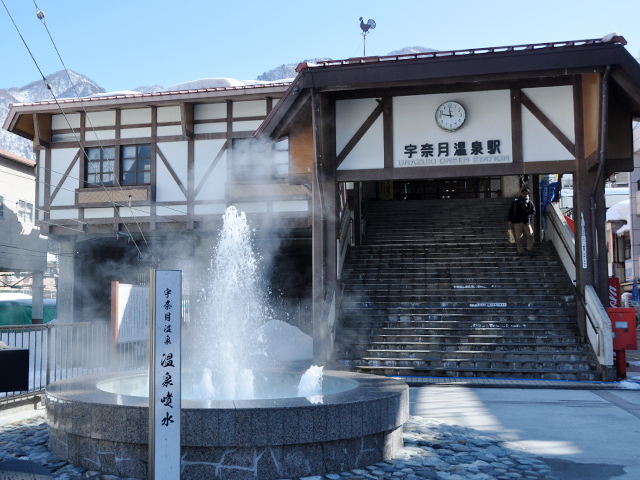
(521, 211)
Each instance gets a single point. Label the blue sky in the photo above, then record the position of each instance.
(125, 44)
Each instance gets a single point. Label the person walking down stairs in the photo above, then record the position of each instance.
(520, 213)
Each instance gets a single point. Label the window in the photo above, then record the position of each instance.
(254, 160)
(100, 166)
(281, 158)
(1, 206)
(136, 165)
(25, 211)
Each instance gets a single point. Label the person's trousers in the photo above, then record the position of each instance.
(521, 231)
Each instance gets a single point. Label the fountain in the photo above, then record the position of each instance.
(238, 420)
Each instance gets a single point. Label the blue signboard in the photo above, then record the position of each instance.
(548, 185)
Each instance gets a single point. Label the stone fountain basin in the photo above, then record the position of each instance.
(240, 439)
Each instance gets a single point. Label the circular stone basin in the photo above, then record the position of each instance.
(267, 438)
(266, 385)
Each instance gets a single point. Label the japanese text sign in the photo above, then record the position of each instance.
(165, 377)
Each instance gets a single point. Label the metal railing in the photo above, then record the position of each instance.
(58, 351)
(599, 332)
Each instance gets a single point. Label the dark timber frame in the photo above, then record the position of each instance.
(579, 65)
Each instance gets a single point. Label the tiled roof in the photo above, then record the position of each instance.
(17, 158)
(154, 94)
(460, 53)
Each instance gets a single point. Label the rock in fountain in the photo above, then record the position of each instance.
(235, 424)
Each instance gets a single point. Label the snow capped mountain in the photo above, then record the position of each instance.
(74, 84)
(63, 85)
(411, 50)
(287, 70)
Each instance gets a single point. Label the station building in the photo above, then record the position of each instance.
(303, 159)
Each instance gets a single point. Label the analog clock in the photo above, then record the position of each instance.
(450, 116)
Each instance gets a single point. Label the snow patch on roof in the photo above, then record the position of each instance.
(206, 83)
(113, 94)
(619, 212)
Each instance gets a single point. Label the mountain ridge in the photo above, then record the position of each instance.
(71, 84)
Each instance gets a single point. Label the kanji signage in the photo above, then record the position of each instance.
(165, 374)
(483, 138)
(453, 153)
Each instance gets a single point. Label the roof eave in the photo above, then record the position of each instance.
(95, 103)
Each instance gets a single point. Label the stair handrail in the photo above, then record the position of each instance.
(345, 238)
(599, 331)
(324, 341)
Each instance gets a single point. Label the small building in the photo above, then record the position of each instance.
(131, 181)
(480, 117)
(23, 250)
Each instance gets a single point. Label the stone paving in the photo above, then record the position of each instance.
(432, 450)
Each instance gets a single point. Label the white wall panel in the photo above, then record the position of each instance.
(60, 161)
(205, 151)
(249, 109)
(249, 126)
(167, 189)
(100, 119)
(218, 127)
(98, 213)
(169, 114)
(291, 206)
(252, 207)
(557, 104)
(139, 211)
(210, 111)
(488, 117)
(58, 122)
(215, 209)
(369, 151)
(171, 130)
(71, 213)
(135, 116)
(93, 135)
(172, 211)
(538, 143)
(135, 132)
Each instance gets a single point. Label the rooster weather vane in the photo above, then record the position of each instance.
(371, 24)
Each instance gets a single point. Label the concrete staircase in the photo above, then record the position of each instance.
(436, 290)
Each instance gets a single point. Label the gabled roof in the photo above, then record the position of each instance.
(140, 100)
(16, 158)
(554, 59)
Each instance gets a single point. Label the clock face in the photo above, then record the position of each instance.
(450, 116)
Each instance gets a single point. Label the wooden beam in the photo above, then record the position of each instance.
(154, 167)
(549, 125)
(210, 169)
(190, 182)
(516, 125)
(172, 172)
(360, 133)
(229, 147)
(186, 119)
(47, 185)
(42, 129)
(484, 170)
(65, 175)
(387, 131)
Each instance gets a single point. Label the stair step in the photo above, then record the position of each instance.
(428, 295)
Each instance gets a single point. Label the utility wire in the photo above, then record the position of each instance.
(40, 15)
(168, 207)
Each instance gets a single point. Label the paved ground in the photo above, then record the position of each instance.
(581, 434)
(581, 430)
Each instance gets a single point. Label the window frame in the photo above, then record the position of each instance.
(101, 162)
(137, 171)
(1, 206)
(269, 170)
(24, 207)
